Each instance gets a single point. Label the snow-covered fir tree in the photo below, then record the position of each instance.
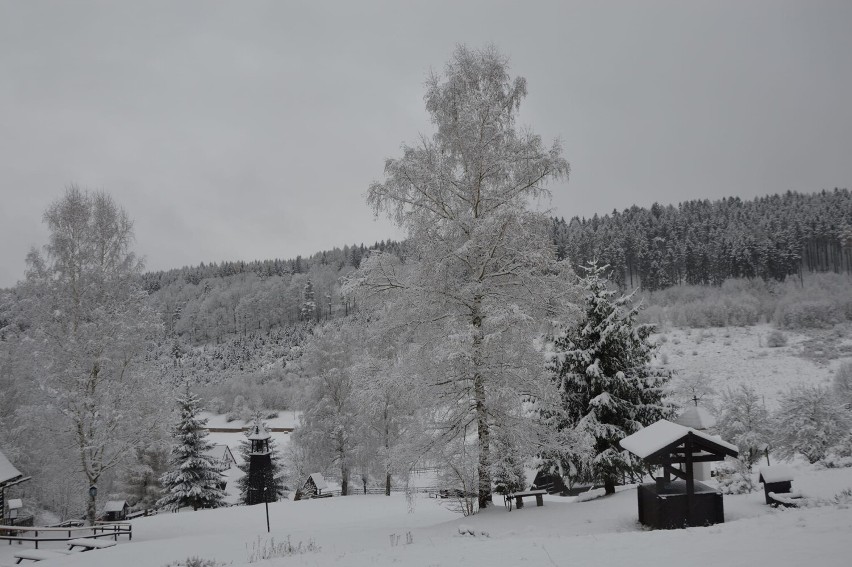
(275, 481)
(192, 479)
(608, 386)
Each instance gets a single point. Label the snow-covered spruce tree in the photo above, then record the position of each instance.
(192, 479)
(276, 479)
(480, 274)
(602, 366)
(745, 422)
(809, 422)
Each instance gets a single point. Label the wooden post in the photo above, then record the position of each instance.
(690, 481)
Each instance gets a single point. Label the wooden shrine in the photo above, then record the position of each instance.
(677, 500)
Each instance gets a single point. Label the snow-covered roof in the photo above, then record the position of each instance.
(696, 417)
(259, 433)
(319, 481)
(114, 505)
(219, 452)
(663, 433)
(775, 473)
(7, 470)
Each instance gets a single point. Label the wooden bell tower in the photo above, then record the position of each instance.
(261, 487)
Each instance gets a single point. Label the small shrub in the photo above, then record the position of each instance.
(734, 477)
(843, 499)
(263, 549)
(839, 456)
(195, 562)
(776, 339)
(843, 383)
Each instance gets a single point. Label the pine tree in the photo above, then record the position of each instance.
(275, 482)
(192, 479)
(608, 387)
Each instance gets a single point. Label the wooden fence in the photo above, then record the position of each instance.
(38, 534)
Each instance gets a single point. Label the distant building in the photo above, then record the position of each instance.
(116, 510)
(9, 476)
(222, 457)
(314, 486)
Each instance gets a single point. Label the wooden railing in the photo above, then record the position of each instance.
(38, 534)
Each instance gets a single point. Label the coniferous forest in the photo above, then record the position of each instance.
(707, 242)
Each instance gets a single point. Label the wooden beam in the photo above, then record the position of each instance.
(690, 481)
(674, 472)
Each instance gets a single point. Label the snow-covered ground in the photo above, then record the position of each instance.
(737, 355)
(374, 530)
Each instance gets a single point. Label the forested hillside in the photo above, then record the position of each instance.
(707, 242)
(244, 318)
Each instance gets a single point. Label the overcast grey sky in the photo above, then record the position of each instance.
(251, 130)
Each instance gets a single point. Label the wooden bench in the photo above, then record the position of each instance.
(519, 497)
(88, 544)
(790, 499)
(38, 555)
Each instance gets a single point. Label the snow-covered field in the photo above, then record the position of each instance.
(374, 530)
(737, 355)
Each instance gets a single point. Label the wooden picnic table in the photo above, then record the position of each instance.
(88, 544)
(38, 554)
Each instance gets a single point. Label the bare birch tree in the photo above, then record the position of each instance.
(90, 324)
(481, 274)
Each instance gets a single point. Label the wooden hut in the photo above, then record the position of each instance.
(116, 510)
(684, 502)
(777, 481)
(314, 486)
(9, 477)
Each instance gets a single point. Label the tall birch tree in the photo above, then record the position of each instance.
(480, 274)
(89, 325)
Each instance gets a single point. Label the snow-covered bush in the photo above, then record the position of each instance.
(734, 477)
(792, 313)
(809, 422)
(195, 561)
(842, 384)
(839, 456)
(263, 549)
(776, 339)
